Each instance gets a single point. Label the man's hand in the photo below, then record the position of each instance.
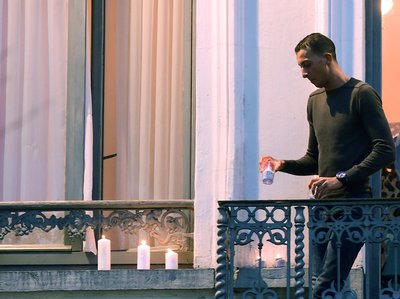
(318, 185)
(276, 164)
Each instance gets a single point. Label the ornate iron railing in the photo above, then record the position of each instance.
(169, 222)
(364, 222)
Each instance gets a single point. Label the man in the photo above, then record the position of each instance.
(349, 140)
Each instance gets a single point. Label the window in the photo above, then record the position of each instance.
(34, 107)
(147, 107)
(147, 104)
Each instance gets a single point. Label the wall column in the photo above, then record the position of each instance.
(219, 120)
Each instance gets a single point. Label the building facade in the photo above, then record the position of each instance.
(247, 98)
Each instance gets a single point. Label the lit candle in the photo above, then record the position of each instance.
(279, 261)
(104, 254)
(143, 256)
(171, 260)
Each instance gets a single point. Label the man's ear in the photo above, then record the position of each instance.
(328, 57)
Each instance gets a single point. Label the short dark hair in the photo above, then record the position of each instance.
(318, 44)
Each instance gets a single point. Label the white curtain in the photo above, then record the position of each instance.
(33, 95)
(89, 245)
(147, 110)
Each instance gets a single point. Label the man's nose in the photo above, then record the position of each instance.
(304, 73)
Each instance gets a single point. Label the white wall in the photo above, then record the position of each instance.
(283, 128)
(251, 99)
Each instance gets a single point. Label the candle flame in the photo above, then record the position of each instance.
(103, 236)
(278, 256)
(169, 250)
(143, 242)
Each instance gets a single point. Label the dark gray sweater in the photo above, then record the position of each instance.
(348, 132)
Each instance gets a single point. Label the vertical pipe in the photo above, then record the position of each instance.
(98, 49)
(373, 76)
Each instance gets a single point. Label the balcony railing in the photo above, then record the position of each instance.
(246, 224)
(166, 222)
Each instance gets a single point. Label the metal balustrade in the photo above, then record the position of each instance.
(168, 222)
(366, 222)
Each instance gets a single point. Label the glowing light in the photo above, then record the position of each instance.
(386, 6)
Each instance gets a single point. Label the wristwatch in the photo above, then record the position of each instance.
(342, 177)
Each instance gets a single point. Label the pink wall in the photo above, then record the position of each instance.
(391, 63)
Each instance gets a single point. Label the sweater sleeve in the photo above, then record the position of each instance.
(369, 107)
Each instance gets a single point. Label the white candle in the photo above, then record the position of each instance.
(279, 261)
(143, 256)
(104, 254)
(171, 260)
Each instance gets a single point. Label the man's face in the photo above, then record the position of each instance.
(313, 67)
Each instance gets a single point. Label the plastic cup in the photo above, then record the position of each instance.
(268, 174)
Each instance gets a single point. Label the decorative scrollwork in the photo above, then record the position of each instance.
(128, 221)
(76, 223)
(167, 227)
(270, 224)
(260, 215)
(341, 292)
(356, 223)
(171, 227)
(23, 223)
(389, 292)
(255, 293)
(244, 237)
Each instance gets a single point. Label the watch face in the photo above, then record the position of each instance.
(342, 177)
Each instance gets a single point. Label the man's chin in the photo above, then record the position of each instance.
(316, 84)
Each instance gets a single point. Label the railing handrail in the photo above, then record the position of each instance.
(96, 205)
(308, 202)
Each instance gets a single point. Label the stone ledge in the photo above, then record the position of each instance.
(119, 279)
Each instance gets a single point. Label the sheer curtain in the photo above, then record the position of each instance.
(147, 108)
(33, 95)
